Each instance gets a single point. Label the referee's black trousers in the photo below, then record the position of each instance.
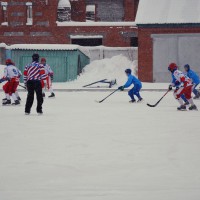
(34, 86)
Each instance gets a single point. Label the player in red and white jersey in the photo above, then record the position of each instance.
(48, 82)
(185, 87)
(11, 75)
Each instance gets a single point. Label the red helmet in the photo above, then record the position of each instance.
(172, 67)
(9, 62)
(43, 59)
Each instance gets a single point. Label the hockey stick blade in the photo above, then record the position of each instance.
(152, 106)
(107, 96)
(101, 81)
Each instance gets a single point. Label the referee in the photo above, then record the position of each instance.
(33, 74)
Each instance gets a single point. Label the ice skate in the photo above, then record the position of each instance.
(193, 107)
(52, 95)
(182, 108)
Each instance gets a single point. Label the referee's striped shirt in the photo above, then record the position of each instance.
(34, 71)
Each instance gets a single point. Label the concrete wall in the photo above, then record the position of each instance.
(97, 53)
(145, 49)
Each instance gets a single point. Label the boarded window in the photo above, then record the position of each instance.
(5, 14)
(17, 14)
(29, 13)
(88, 42)
(16, 23)
(108, 10)
(64, 11)
(13, 34)
(90, 12)
(40, 34)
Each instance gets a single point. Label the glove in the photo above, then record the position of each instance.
(1, 81)
(170, 87)
(185, 84)
(51, 77)
(121, 88)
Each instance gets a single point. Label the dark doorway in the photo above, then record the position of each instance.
(88, 42)
(134, 41)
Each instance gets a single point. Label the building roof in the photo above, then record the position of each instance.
(49, 47)
(168, 12)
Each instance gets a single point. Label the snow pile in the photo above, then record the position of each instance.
(110, 69)
(2, 70)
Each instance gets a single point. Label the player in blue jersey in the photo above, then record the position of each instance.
(195, 80)
(135, 90)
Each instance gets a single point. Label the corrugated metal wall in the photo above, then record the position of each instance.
(65, 64)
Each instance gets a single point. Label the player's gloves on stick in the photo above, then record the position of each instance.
(51, 77)
(170, 87)
(121, 88)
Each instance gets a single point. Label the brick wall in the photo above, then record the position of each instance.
(145, 50)
(43, 15)
(78, 10)
(45, 30)
(112, 36)
(112, 10)
(130, 9)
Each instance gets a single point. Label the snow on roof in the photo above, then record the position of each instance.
(90, 8)
(71, 23)
(2, 45)
(85, 36)
(168, 11)
(43, 46)
(64, 4)
(48, 47)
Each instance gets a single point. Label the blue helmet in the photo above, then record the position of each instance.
(187, 67)
(128, 71)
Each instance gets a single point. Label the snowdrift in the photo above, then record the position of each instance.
(2, 70)
(112, 68)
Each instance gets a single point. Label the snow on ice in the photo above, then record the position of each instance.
(82, 150)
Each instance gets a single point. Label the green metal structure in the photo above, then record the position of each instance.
(66, 64)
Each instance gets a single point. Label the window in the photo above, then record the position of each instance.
(91, 12)
(88, 41)
(29, 13)
(4, 11)
(64, 11)
(134, 41)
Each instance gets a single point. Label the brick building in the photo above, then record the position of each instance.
(168, 32)
(84, 22)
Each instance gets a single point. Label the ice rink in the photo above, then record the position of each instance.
(82, 150)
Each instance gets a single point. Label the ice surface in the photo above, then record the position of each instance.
(82, 150)
(168, 11)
